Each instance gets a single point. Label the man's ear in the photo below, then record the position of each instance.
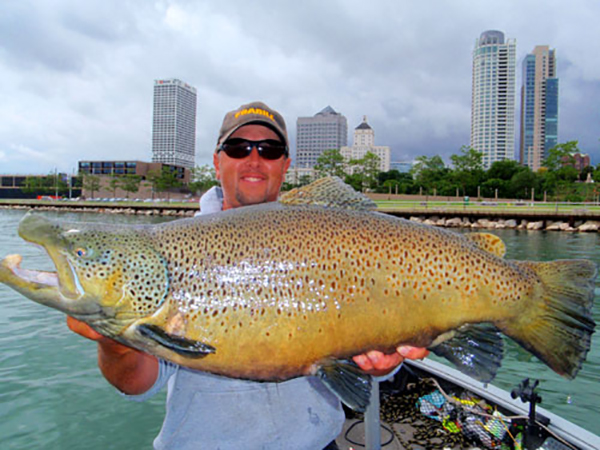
(286, 165)
(216, 164)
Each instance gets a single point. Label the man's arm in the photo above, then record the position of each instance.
(129, 370)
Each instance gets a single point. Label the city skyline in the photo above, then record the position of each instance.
(78, 77)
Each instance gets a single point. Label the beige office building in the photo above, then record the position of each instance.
(364, 142)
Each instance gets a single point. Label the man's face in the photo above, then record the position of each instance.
(253, 179)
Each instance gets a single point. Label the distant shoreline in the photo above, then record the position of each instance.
(575, 221)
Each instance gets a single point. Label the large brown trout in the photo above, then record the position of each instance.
(294, 287)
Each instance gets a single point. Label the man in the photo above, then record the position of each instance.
(213, 412)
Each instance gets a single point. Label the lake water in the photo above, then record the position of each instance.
(52, 395)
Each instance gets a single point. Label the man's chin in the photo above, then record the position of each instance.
(251, 199)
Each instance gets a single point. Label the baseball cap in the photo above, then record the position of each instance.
(255, 112)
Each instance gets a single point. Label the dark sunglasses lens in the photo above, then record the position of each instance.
(236, 150)
(271, 149)
(239, 148)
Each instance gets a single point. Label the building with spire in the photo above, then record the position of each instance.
(493, 97)
(364, 142)
(326, 130)
(539, 107)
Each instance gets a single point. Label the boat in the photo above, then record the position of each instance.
(429, 405)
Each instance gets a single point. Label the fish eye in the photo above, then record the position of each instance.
(81, 252)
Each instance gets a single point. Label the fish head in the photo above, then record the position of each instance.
(103, 272)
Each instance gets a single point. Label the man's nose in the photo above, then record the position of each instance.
(253, 157)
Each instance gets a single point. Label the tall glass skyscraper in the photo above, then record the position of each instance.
(174, 123)
(493, 97)
(539, 107)
(326, 130)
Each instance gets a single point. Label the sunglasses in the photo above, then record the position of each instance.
(238, 148)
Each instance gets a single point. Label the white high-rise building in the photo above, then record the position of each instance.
(493, 97)
(174, 123)
(364, 142)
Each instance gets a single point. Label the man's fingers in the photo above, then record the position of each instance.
(363, 362)
(83, 329)
(381, 361)
(408, 352)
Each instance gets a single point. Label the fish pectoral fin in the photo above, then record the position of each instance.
(475, 349)
(177, 344)
(347, 381)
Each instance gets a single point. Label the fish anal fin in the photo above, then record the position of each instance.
(488, 242)
(475, 349)
(331, 192)
(180, 345)
(347, 381)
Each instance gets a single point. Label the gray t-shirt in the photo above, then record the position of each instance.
(206, 411)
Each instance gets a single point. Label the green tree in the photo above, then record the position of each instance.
(330, 163)
(163, 180)
(130, 184)
(114, 184)
(596, 174)
(365, 169)
(433, 163)
(498, 177)
(91, 183)
(392, 178)
(432, 176)
(355, 180)
(468, 170)
(491, 186)
(469, 161)
(561, 155)
(203, 178)
(35, 185)
(522, 183)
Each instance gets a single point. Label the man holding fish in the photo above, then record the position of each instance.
(209, 411)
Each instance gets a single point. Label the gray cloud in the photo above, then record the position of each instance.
(78, 76)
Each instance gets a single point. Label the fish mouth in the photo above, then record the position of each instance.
(36, 229)
(61, 289)
(38, 278)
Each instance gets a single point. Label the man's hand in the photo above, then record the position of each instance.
(107, 345)
(83, 329)
(129, 370)
(379, 364)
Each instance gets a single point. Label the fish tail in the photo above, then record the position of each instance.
(558, 326)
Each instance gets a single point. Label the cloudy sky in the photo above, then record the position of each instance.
(77, 77)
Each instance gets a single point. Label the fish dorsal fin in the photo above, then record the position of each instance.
(329, 191)
(488, 242)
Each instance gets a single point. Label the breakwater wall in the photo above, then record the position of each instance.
(576, 220)
(516, 224)
(572, 220)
